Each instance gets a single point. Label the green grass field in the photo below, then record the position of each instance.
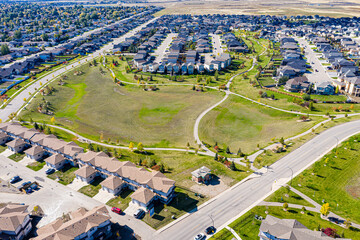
(283, 195)
(93, 188)
(238, 123)
(122, 201)
(335, 179)
(91, 104)
(17, 156)
(66, 175)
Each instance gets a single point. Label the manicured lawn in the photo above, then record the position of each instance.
(223, 234)
(36, 166)
(335, 179)
(122, 201)
(93, 188)
(3, 148)
(91, 104)
(237, 123)
(248, 227)
(284, 195)
(17, 156)
(66, 175)
(184, 202)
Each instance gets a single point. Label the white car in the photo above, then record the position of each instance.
(200, 236)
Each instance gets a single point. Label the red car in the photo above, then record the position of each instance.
(116, 210)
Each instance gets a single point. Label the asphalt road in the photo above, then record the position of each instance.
(234, 202)
(314, 77)
(160, 51)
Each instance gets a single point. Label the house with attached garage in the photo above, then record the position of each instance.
(113, 185)
(201, 175)
(297, 84)
(56, 161)
(17, 145)
(324, 88)
(35, 152)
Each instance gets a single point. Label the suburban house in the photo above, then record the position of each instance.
(324, 88)
(288, 229)
(297, 84)
(83, 224)
(86, 174)
(15, 222)
(17, 145)
(56, 161)
(35, 152)
(113, 185)
(201, 175)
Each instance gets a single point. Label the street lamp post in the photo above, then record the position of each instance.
(210, 216)
(292, 174)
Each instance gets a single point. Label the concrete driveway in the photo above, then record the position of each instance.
(77, 184)
(103, 196)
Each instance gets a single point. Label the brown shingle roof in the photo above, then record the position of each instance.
(82, 221)
(55, 159)
(34, 150)
(143, 195)
(16, 142)
(112, 182)
(85, 171)
(11, 216)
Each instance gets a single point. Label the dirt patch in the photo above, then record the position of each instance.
(353, 188)
(217, 186)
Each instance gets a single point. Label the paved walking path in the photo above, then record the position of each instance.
(233, 232)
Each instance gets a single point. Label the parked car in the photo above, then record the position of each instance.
(316, 70)
(15, 179)
(139, 213)
(210, 230)
(29, 190)
(34, 186)
(200, 236)
(49, 171)
(116, 210)
(25, 183)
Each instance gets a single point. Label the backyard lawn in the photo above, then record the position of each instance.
(122, 201)
(36, 166)
(336, 180)
(92, 105)
(66, 175)
(238, 123)
(93, 188)
(17, 156)
(184, 202)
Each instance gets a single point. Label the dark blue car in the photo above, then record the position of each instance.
(15, 179)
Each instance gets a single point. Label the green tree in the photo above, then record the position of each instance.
(306, 97)
(216, 157)
(140, 147)
(162, 168)
(285, 206)
(233, 166)
(4, 49)
(228, 150)
(216, 75)
(17, 34)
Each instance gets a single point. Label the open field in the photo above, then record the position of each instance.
(237, 123)
(92, 105)
(285, 195)
(269, 157)
(335, 179)
(248, 227)
(286, 7)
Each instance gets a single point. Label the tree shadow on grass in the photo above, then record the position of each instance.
(292, 211)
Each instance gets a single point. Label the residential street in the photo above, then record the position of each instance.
(314, 77)
(160, 51)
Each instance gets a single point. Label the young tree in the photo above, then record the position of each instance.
(131, 146)
(325, 209)
(228, 150)
(162, 168)
(152, 163)
(52, 120)
(216, 157)
(4, 49)
(216, 75)
(239, 153)
(140, 162)
(90, 147)
(140, 147)
(233, 166)
(282, 141)
(285, 206)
